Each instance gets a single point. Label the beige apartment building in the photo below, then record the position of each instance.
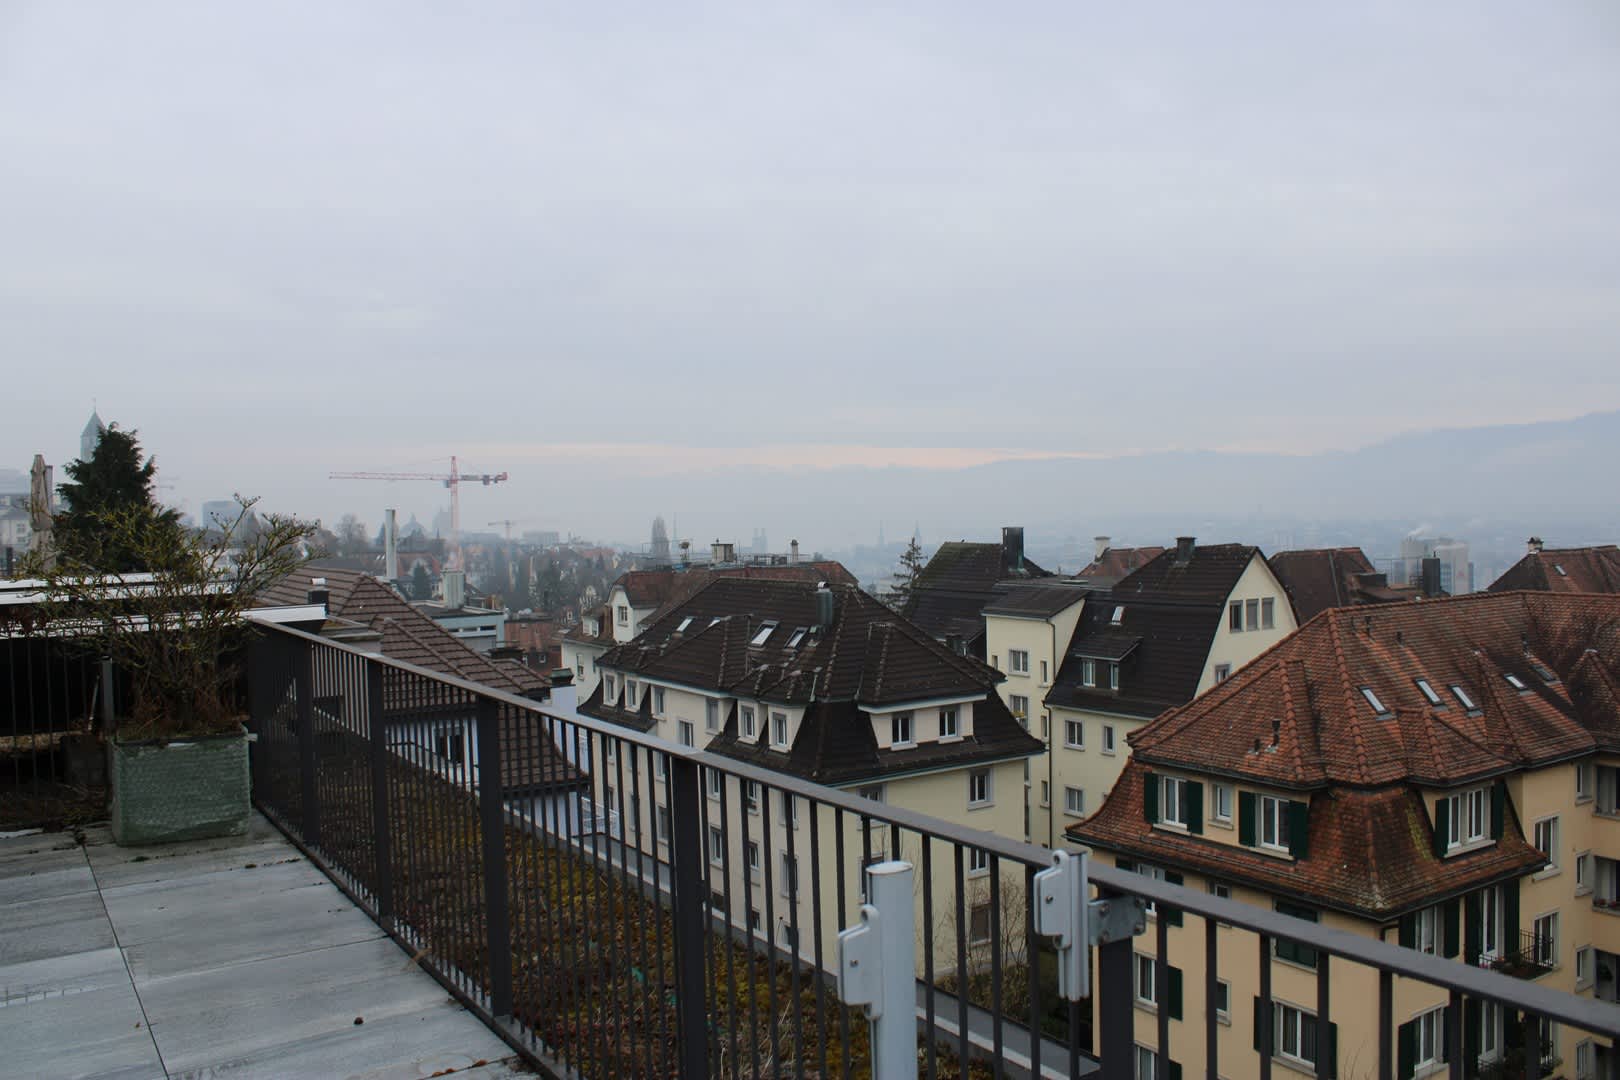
(823, 683)
(1442, 775)
(1165, 633)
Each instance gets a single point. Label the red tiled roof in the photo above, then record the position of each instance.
(1588, 569)
(1115, 563)
(1296, 716)
(1369, 852)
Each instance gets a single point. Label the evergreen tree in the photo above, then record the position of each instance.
(114, 484)
(905, 578)
(421, 584)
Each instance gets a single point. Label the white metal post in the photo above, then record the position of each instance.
(877, 969)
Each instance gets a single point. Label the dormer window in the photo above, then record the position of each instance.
(798, 636)
(1372, 700)
(1088, 672)
(1463, 699)
(779, 730)
(763, 633)
(900, 730)
(1118, 616)
(1113, 676)
(1428, 693)
(746, 722)
(630, 689)
(1514, 681)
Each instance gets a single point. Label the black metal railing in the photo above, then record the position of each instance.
(1532, 957)
(52, 705)
(614, 904)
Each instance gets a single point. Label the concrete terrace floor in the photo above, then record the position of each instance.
(218, 958)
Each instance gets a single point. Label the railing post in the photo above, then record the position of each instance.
(382, 836)
(304, 691)
(877, 968)
(258, 676)
(492, 814)
(687, 893)
(1116, 1023)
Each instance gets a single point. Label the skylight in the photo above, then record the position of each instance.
(798, 636)
(681, 629)
(1514, 681)
(1543, 672)
(1428, 692)
(1462, 696)
(763, 633)
(1119, 614)
(1372, 699)
(1560, 568)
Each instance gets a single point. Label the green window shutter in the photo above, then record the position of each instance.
(1498, 809)
(1510, 912)
(1406, 1054)
(1193, 812)
(1409, 931)
(1473, 914)
(1442, 825)
(1471, 1029)
(1257, 1017)
(1174, 994)
(1246, 818)
(1150, 797)
(1171, 915)
(1450, 914)
(1298, 829)
(1333, 1049)
(1125, 865)
(1172, 1069)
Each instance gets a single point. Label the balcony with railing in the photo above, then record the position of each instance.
(681, 913)
(1532, 957)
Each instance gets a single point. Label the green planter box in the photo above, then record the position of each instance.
(183, 789)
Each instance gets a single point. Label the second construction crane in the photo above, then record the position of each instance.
(452, 480)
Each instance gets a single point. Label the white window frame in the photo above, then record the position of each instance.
(1074, 801)
(1374, 702)
(1268, 613)
(716, 845)
(1583, 967)
(1551, 920)
(1046, 793)
(686, 733)
(1172, 800)
(1470, 814)
(789, 807)
(1490, 923)
(711, 714)
(1045, 671)
(1271, 831)
(901, 730)
(779, 729)
(1234, 619)
(1074, 734)
(662, 825)
(745, 722)
(1585, 1060)
(751, 856)
(1109, 741)
(1018, 705)
(1464, 699)
(1113, 675)
(751, 795)
(947, 725)
(632, 693)
(1088, 671)
(658, 701)
(874, 792)
(978, 861)
(1583, 781)
(980, 792)
(1018, 661)
(1251, 616)
(1427, 931)
(1220, 803)
(715, 782)
(1145, 984)
(1583, 872)
(1288, 1025)
(1551, 825)
(1222, 673)
(1430, 1040)
(622, 613)
(789, 867)
(1223, 992)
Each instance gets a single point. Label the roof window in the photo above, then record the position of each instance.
(1428, 692)
(1462, 696)
(1372, 699)
(1543, 672)
(798, 636)
(1560, 568)
(681, 629)
(1514, 681)
(1119, 614)
(763, 634)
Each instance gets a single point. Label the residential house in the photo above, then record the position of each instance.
(824, 683)
(1183, 622)
(948, 597)
(1316, 579)
(1110, 563)
(1440, 775)
(1582, 569)
(1027, 630)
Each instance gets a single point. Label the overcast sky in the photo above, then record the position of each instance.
(570, 240)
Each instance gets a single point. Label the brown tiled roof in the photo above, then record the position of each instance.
(1115, 563)
(1587, 569)
(949, 595)
(1564, 648)
(1369, 852)
(867, 656)
(1320, 578)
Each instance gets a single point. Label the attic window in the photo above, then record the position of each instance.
(1514, 681)
(1560, 568)
(714, 620)
(1543, 672)
(1119, 614)
(1372, 699)
(1462, 696)
(681, 629)
(762, 634)
(798, 636)
(1428, 692)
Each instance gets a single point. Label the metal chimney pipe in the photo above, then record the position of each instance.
(390, 545)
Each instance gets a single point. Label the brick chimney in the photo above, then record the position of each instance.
(1533, 546)
(1012, 548)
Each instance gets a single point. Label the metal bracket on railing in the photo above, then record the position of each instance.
(877, 969)
(1076, 923)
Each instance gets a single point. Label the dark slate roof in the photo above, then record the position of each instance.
(1326, 733)
(663, 589)
(1588, 569)
(1320, 578)
(867, 656)
(1161, 645)
(1368, 852)
(1207, 577)
(1035, 601)
(949, 595)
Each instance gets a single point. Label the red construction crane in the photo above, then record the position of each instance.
(452, 480)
